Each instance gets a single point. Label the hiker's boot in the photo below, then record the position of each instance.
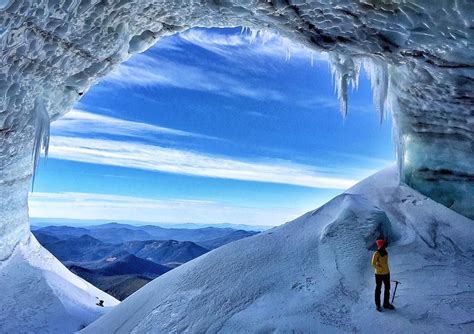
(378, 308)
(389, 307)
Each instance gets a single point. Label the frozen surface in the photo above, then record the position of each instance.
(313, 275)
(39, 295)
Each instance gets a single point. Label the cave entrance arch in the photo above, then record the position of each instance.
(53, 52)
(276, 95)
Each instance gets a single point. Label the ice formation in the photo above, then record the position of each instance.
(420, 54)
(41, 133)
(313, 275)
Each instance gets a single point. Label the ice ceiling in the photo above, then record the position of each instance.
(419, 54)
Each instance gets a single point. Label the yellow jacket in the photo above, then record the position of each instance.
(380, 263)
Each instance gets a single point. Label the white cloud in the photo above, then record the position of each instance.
(77, 122)
(163, 159)
(248, 45)
(144, 70)
(91, 206)
(243, 51)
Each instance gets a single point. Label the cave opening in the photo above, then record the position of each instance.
(207, 128)
(249, 121)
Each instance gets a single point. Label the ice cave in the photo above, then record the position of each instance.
(420, 58)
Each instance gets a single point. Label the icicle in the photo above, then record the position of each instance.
(400, 141)
(343, 72)
(266, 36)
(346, 71)
(355, 80)
(312, 59)
(401, 155)
(42, 127)
(253, 35)
(377, 72)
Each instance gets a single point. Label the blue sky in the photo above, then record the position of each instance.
(211, 126)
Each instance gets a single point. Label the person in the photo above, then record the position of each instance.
(382, 275)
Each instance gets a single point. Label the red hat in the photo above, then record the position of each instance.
(380, 243)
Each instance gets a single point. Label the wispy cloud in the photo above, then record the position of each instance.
(148, 71)
(241, 51)
(78, 122)
(247, 45)
(176, 161)
(87, 206)
(319, 102)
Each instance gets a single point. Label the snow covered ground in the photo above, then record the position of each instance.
(40, 295)
(314, 275)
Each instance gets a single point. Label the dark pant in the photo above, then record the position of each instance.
(378, 289)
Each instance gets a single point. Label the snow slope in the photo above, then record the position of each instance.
(39, 295)
(313, 274)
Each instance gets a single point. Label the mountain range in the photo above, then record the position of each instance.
(120, 258)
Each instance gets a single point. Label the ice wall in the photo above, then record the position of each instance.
(53, 51)
(434, 112)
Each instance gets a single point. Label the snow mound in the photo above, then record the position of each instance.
(40, 295)
(314, 275)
